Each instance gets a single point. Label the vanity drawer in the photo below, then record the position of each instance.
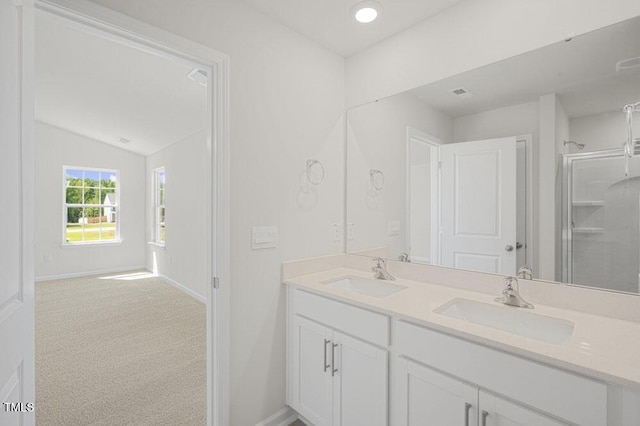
(560, 393)
(363, 324)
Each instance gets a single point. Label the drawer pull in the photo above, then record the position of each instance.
(484, 418)
(325, 355)
(334, 370)
(467, 409)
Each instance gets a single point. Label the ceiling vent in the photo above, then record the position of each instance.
(461, 92)
(199, 76)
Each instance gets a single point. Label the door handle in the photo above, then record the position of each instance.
(484, 418)
(518, 245)
(508, 247)
(334, 370)
(467, 409)
(325, 355)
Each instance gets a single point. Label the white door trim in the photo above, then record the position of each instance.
(123, 29)
(530, 219)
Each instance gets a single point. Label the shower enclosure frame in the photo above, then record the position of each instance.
(567, 204)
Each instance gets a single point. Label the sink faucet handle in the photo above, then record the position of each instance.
(525, 272)
(511, 283)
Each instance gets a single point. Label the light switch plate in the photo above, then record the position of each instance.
(263, 237)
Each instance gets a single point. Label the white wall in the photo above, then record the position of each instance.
(183, 259)
(562, 134)
(55, 148)
(602, 131)
(469, 35)
(377, 139)
(554, 129)
(501, 122)
(287, 101)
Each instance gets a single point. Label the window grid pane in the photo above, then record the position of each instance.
(159, 179)
(90, 197)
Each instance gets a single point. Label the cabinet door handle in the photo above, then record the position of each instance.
(325, 355)
(334, 370)
(467, 409)
(484, 418)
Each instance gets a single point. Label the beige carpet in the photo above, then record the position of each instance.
(119, 352)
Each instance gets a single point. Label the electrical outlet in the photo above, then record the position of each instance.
(351, 231)
(337, 232)
(46, 258)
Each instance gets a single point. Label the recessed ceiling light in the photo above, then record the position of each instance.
(199, 76)
(366, 11)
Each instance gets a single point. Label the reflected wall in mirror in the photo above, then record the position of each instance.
(516, 163)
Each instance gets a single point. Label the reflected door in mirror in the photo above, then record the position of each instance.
(478, 193)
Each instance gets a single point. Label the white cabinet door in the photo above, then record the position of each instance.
(312, 381)
(478, 211)
(359, 383)
(496, 411)
(429, 398)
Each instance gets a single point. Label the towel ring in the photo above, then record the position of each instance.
(315, 172)
(377, 179)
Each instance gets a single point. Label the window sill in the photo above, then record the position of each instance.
(91, 244)
(157, 244)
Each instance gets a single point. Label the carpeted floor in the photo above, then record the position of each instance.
(119, 352)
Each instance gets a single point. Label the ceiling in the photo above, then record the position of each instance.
(582, 72)
(329, 22)
(104, 90)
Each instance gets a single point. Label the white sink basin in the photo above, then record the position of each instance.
(373, 288)
(510, 319)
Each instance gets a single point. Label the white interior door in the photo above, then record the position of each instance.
(422, 196)
(17, 383)
(478, 205)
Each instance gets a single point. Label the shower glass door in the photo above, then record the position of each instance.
(601, 221)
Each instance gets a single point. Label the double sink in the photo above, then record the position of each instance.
(497, 316)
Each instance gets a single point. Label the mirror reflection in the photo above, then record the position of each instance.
(528, 163)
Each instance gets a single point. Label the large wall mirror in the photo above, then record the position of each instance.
(521, 162)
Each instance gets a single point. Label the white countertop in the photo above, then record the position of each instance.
(603, 348)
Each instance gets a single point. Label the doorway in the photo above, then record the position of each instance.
(433, 170)
(121, 29)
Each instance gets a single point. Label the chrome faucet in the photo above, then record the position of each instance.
(511, 295)
(525, 272)
(404, 257)
(380, 270)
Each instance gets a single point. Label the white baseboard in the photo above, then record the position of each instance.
(89, 273)
(284, 417)
(184, 289)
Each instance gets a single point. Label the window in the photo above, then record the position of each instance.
(91, 205)
(159, 205)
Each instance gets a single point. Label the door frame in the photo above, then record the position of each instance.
(123, 29)
(434, 143)
(530, 219)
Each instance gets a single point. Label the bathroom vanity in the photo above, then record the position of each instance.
(420, 351)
